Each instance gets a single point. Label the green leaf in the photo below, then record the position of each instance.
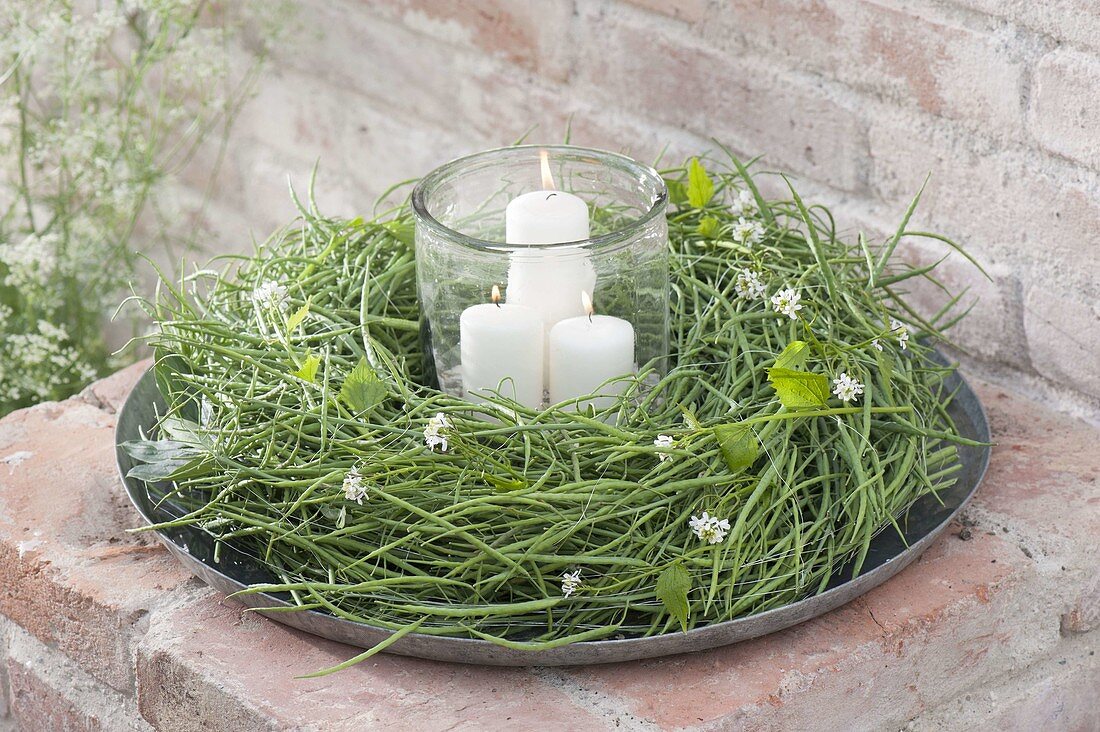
(793, 356)
(738, 444)
(166, 460)
(700, 186)
(677, 193)
(297, 318)
(362, 389)
(708, 227)
(148, 451)
(672, 590)
(308, 371)
(799, 389)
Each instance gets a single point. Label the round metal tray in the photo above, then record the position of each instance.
(887, 556)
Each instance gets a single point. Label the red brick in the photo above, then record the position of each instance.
(69, 572)
(1084, 616)
(664, 75)
(918, 618)
(690, 11)
(909, 57)
(110, 393)
(1077, 21)
(1063, 336)
(214, 655)
(1066, 105)
(5, 692)
(527, 33)
(36, 705)
(1044, 469)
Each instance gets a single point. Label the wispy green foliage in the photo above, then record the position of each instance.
(101, 104)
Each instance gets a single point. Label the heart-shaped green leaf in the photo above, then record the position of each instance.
(672, 590)
(738, 444)
(799, 389)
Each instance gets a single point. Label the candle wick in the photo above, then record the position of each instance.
(551, 195)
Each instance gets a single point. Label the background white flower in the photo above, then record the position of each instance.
(102, 104)
(846, 388)
(709, 528)
(787, 302)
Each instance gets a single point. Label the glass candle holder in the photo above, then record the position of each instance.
(542, 274)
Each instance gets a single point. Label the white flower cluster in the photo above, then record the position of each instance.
(663, 442)
(37, 364)
(97, 101)
(435, 433)
(748, 285)
(30, 262)
(570, 582)
(846, 388)
(787, 303)
(709, 528)
(355, 487)
(748, 232)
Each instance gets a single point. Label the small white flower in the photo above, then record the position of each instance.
(749, 286)
(876, 344)
(663, 442)
(744, 204)
(570, 581)
(270, 295)
(434, 433)
(786, 302)
(709, 528)
(901, 331)
(355, 489)
(846, 388)
(748, 232)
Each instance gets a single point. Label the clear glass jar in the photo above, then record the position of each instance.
(545, 259)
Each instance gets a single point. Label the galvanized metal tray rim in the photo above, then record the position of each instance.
(889, 556)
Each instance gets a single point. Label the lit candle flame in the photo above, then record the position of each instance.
(586, 303)
(547, 178)
(496, 295)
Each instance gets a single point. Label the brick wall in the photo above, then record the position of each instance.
(859, 99)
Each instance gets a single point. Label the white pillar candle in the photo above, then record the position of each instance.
(549, 281)
(502, 351)
(585, 352)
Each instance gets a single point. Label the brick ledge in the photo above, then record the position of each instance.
(997, 629)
